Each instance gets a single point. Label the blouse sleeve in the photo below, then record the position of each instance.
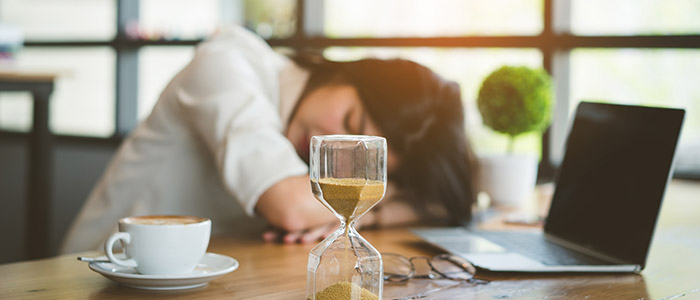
(227, 95)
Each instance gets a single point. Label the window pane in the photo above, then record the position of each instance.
(468, 67)
(61, 19)
(272, 18)
(630, 17)
(16, 111)
(395, 18)
(83, 99)
(182, 19)
(644, 77)
(157, 66)
(179, 19)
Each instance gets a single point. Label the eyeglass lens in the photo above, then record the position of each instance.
(452, 267)
(398, 268)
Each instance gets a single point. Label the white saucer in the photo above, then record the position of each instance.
(209, 268)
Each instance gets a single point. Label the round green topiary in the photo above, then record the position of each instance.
(516, 100)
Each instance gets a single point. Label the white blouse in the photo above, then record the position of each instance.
(212, 145)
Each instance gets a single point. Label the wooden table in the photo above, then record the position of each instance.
(40, 85)
(272, 271)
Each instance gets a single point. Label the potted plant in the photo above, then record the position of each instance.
(513, 100)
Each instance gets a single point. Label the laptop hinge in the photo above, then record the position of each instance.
(584, 250)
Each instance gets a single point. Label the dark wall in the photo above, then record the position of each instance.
(12, 194)
(77, 165)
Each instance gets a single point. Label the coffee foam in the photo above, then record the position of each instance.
(164, 220)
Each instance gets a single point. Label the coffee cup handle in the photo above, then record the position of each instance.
(124, 236)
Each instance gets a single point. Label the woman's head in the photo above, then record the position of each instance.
(418, 112)
(328, 109)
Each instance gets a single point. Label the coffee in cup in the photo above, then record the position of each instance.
(161, 245)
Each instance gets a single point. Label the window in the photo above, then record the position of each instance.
(122, 53)
(640, 77)
(83, 98)
(271, 18)
(16, 111)
(157, 66)
(111, 81)
(178, 19)
(635, 17)
(398, 18)
(42, 20)
(82, 102)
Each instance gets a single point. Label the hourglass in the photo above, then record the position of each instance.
(348, 175)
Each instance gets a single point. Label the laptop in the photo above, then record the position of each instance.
(608, 193)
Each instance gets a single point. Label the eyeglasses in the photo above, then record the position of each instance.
(398, 268)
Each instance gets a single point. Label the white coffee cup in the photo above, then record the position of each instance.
(161, 245)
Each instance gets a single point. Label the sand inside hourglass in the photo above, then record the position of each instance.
(350, 198)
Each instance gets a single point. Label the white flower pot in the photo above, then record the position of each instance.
(509, 180)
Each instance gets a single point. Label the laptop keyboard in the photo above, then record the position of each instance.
(535, 246)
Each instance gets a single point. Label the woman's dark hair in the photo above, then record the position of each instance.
(422, 117)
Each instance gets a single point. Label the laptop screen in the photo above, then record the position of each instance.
(613, 176)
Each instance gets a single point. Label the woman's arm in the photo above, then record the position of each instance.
(290, 205)
(293, 213)
(296, 216)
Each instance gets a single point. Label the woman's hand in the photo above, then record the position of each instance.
(275, 234)
(272, 234)
(295, 216)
